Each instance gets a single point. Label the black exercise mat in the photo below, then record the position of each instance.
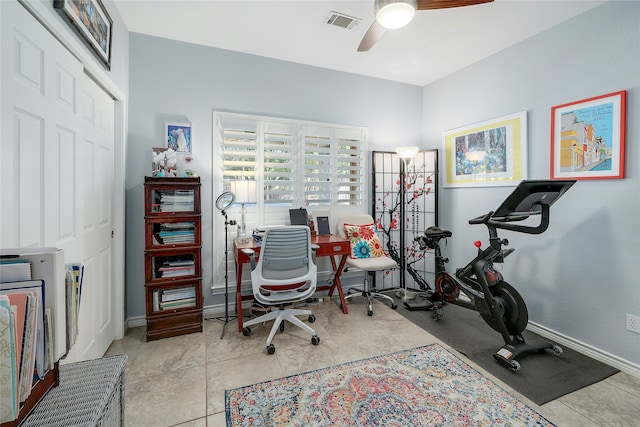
(541, 378)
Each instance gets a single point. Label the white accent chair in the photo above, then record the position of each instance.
(367, 265)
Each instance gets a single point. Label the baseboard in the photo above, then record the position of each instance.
(593, 352)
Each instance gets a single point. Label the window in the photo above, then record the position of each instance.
(295, 163)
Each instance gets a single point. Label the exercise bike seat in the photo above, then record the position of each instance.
(436, 233)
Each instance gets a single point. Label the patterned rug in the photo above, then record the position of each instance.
(424, 386)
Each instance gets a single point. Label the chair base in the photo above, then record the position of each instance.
(368, 294)
(279, 316)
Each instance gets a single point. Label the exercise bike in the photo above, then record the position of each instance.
(478, 285)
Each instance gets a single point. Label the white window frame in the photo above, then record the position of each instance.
(267, 213)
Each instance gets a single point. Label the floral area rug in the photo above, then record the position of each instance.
(424, 386)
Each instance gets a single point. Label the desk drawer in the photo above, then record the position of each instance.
(334, 248)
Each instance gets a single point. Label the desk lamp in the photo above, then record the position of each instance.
(245, 192)
(406, 154)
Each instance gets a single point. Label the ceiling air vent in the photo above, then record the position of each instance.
(341, 20)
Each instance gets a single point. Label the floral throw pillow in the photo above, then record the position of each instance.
(364, 241)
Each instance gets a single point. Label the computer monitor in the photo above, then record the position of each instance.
(528, 196)
(298, 216)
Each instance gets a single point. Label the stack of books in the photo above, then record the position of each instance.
(174, 233)
(176, 268)
(176, 201)
(171, 299)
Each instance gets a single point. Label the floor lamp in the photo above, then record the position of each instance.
(406, 154)
(223, 202)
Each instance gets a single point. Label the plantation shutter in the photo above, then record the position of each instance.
(239, 143)
(279, 165)
(317, 165)
(350, 149)
(294, 162)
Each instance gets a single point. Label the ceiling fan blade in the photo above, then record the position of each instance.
(443, 4)
(370, 38)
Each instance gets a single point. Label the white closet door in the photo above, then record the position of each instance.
(57, 173)
(95, 170)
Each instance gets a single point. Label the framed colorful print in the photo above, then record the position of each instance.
(489, 153)
(178, 137)
(588, 138)
(90, 20)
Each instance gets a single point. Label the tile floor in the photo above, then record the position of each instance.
(181, 381)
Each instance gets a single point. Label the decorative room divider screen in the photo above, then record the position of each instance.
(400, 222)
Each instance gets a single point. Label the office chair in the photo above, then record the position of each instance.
(367, 254)
(285, 273)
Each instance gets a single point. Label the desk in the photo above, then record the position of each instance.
(329, 246)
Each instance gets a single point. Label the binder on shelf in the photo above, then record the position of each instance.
(34, 355)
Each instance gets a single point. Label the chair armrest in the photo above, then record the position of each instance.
(252, 256)
(314, 248)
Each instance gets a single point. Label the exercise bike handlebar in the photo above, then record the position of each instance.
(506, 223)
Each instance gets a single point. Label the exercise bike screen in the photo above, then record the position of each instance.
(528, 196)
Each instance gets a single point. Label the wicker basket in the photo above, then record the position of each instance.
(91, 393)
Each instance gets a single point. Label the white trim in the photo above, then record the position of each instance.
(586, 349)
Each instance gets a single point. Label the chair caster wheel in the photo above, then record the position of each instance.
(557, 350)
(271, 349)
(315, 340)
(515, 365)
(312, 318)
(394, 306)
(369, 312)
(282, 327)
(246, 331)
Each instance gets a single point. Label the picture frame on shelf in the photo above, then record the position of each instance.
(91, 21)
(588, 138)
(178, 137)
(323, 224)
(486, 154)
(163, 162)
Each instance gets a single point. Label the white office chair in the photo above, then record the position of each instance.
(286, 273)
(373, 260)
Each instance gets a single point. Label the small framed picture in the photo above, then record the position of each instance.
(323, 223)
(178, 137)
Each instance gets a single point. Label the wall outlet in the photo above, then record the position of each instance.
(633, 323)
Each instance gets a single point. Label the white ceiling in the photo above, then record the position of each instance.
(436, 43)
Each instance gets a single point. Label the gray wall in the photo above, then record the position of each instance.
(579, 279)
(175, 81)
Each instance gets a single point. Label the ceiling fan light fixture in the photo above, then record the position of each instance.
(394, 14)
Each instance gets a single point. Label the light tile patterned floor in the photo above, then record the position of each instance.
(181, 380)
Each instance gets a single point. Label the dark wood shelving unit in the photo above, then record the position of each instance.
(173, 266)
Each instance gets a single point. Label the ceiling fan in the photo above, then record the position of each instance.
(393, 14)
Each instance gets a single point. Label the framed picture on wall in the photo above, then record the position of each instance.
(588, 138)
(489, 153)
(91, 22)
(178, 137)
